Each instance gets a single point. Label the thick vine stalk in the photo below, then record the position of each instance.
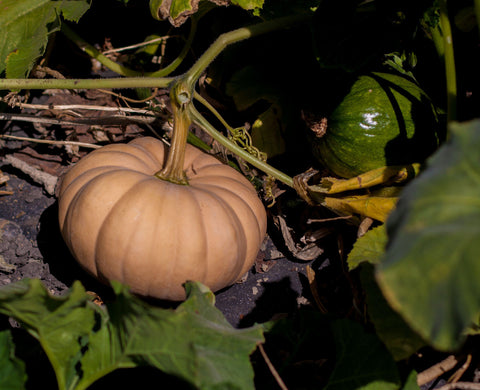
(118, 83)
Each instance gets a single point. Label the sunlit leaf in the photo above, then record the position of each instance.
(178, 11)
(369, 248)
(25, 26)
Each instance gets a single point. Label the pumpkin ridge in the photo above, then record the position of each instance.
(247, 205)
(159, 164)
(121, 163)
(102, 225)
(239, 228)
(78, 194)
(101, 176)
(201, 220)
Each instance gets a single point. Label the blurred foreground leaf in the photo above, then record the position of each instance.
(12, 369)
(430, 272)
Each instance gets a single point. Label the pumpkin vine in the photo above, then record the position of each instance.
(181, 92)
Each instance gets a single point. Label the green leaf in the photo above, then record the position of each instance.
(368, 251)
(25, 26)
(267, 132)
(12, 369)
(362, 361)
(194, 342)
(249, 4)
(411, 382)
(252, 84)
(60, 324)
(84, 342)
(390, 327)
(369, 248)
(180, 6)
(431, 267)
(178, 11)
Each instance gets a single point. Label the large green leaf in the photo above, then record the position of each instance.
(431, 270)
(25, 26)
(12, 369)
(60, 324)
(84, 342)
(194, 342)
(362, 361)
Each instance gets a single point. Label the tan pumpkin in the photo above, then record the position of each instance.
(121, 222)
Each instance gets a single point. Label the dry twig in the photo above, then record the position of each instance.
(461, 386)
(272, 369)
(52, 142)
(459, 373)
(61, 107)
(437, 370)
(45, 179)
(105, 120)
(314, 290)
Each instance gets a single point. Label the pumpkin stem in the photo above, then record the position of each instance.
(180, 97)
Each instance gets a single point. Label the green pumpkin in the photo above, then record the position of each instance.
(384, 120)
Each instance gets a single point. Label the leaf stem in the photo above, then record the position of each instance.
(450, 72)
(199, 120)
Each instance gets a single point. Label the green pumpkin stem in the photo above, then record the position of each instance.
(180, 98)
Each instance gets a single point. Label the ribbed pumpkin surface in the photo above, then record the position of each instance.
(123, 223)
(384, 120)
